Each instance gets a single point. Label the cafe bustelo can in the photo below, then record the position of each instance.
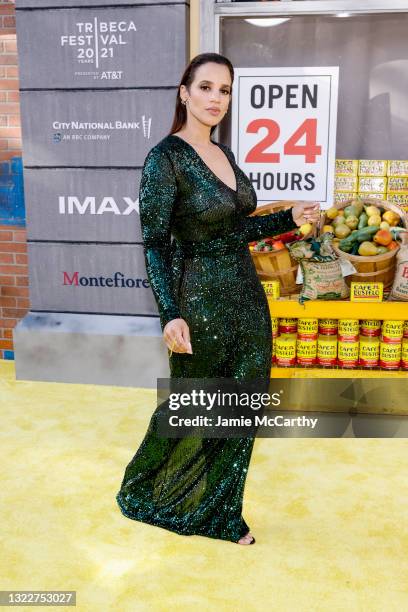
(392, 331)
(328, 327)
(390, 355)
(287, 326)
(307, 328)
(348, 329)
(285, 350)
(326, 350)
(370, 327)
(404, 354)
(347, 353)
(369, 352)
(306, 351)
(275, 326)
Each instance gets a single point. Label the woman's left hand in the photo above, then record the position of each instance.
(306, 212)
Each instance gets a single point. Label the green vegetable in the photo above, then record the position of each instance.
(366, 233)
(350, 210)
(355, 247)
(362, 222)
(347, 243)
(361, 235)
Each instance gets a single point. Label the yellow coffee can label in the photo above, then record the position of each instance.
(328, 326)
(306, 351)
(404, 354)
(366, 292)
(348, 329)
(370, 327)
(272, 289)
(392, 330)
(327, 350)
(287, 326)
(369, 352)
(285, 350)
(390, 355)
(405, 329)
(307, 328)
(347, 354)
(275, 325)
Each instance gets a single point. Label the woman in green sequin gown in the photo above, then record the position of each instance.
(206, 277)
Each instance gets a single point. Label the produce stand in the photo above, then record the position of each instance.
(290, 310)
(318, 397)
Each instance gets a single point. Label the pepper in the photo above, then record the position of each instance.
(360, 236)
(366, 233)
(288, 237)
(362, 221)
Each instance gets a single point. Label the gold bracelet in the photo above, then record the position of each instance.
(171, 348)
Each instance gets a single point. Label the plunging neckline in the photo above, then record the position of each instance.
(235, 191)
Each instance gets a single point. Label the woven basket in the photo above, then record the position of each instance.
(276, 265)
(376, 268)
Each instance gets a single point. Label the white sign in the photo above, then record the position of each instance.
(284, 131)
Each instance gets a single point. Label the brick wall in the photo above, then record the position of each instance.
(14, 301)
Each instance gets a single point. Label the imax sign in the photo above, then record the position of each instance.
(69, 205)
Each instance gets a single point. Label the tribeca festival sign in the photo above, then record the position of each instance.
(95, 42)
(284, 124)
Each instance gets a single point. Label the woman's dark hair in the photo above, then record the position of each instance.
(180, 113)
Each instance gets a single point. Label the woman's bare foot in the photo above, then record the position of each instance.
(247, 539)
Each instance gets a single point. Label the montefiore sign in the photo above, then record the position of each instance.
(117, 280)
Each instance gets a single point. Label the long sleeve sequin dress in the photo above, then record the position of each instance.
(206, 276)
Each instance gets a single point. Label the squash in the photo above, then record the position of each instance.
(351, 210)
(332, 213)
(372, 210)
(374, 220)
(391, 217)
(342, 230)
(362, 220)
(352, 221)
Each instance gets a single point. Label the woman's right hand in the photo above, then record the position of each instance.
(176, 335)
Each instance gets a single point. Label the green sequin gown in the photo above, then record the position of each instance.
(206, 276)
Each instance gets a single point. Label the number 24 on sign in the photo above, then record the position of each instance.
(309, 149)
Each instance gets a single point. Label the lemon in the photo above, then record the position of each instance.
(372, 210)
(367, 248)
(332, 212)
(305, 229)
(374, 220)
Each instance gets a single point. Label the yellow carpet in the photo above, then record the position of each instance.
(330, 515)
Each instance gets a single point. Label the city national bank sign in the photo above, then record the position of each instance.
(284, 131)
(96, 96)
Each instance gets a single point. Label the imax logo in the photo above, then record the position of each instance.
(69, 205)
